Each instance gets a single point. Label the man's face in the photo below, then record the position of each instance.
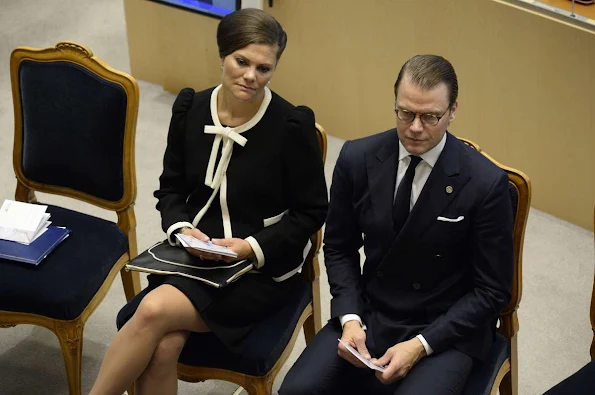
(416, 136)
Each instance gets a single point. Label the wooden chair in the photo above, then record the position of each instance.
(75, 125)
(500, 370)
(270, 344)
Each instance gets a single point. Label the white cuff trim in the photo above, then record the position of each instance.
(257, 251)
(173, 228)
(351, 317)
(425, 344)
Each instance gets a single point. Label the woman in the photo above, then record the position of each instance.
(242, 168)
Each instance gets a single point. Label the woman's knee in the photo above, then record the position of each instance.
(167, 309)
(168, 350)
(151, 312)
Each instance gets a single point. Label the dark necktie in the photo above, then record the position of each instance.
(403, 198)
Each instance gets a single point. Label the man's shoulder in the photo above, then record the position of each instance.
(375, 140)
(354, 152)
(373, 143)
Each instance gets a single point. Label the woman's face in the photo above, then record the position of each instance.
(247, 71)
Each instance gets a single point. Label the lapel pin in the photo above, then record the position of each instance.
(449, 189)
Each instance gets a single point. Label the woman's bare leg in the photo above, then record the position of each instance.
(163, 310)
(161, 375)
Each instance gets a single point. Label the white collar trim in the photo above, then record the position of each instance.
(229, 136)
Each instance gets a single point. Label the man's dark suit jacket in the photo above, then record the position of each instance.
(445, 280)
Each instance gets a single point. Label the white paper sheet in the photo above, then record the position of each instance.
(206, 246)
(361, 358)
(22, 222)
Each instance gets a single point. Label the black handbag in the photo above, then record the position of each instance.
(165, 259)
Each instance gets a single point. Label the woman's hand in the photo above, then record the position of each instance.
(201, 236)
(239, 246)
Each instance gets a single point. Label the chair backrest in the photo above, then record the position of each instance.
(75, 124)
(311, 268)
(520, 195)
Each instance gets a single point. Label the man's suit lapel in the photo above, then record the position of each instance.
(382, 177)
(443, 185)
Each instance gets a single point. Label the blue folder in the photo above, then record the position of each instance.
(36, 251)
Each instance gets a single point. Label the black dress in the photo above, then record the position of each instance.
(262, 181)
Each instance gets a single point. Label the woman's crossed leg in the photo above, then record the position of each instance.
(147, 347)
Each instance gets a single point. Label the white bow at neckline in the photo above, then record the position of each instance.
(229, 136)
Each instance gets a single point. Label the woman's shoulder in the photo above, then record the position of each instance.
(291, 113)
(188, 97)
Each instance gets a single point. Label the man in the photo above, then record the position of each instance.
(435, 220)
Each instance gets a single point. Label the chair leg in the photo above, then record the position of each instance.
(260, 386)
(131, 283)
(70, 335)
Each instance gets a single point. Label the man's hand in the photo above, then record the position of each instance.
(399, 359)
(201, 236)
(354, 335)
(239, 246)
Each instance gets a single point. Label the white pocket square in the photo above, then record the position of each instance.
(458, 219)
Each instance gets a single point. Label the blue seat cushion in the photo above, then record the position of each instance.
(483, 375)
(64, 283)
(262, 348)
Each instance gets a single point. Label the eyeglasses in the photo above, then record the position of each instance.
(426, 119)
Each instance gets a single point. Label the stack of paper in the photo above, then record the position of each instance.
(22, 222)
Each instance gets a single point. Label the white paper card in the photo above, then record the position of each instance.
(361, 358)
(41, 231)
(22, 222)
(206, 246)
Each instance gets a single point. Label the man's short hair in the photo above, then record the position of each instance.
(427, 71)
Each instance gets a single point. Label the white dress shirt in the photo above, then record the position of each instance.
(422, 172)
